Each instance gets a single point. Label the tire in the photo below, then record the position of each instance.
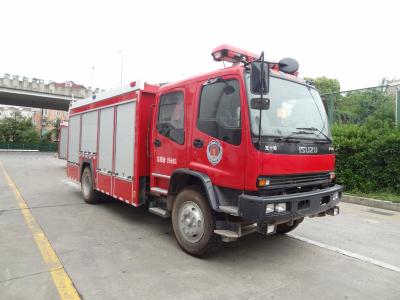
(285, 227)
(194, 237)
(89, 194)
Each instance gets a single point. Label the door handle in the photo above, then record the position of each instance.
(157, 143)
(198, 143)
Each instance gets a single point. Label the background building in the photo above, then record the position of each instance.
(7, 111)
(394, 87)
(45, 119)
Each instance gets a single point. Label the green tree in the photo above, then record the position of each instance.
(56, 129)
(17, 129)
(30, 136)
(370, 107)
(47, 136)
(327, 85)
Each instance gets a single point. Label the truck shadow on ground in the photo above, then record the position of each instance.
(252, 245)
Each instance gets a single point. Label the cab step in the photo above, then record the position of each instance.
(161, 212)
(231, 235)
(230, 210)
(159, 207)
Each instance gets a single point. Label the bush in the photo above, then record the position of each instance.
(17, 129)
(368, 157)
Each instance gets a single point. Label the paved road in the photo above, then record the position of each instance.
(114, 251)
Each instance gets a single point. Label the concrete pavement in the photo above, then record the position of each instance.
(115, 251)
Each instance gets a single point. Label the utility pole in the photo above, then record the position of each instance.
(91, 76)
(41, 124)
(397, 109)
(396, 86)
(122, 63)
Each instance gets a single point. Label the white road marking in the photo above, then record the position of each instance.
(72, 184)
(346, 253)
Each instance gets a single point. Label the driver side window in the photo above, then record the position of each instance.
(219, 111)
(170, 122)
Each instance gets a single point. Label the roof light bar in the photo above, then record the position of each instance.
(233, 54)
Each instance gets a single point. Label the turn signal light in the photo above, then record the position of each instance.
(332, 176)
(262, 182)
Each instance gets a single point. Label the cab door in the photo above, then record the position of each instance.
(169, 140)
(217, 145)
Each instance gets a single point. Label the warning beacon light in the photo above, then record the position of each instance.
(234, 55)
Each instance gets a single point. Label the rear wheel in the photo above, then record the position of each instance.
(193, 223)
(89, 194)
(287, 227)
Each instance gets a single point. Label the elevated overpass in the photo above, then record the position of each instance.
(36, 93)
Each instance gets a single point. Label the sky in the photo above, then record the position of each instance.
(356, 42)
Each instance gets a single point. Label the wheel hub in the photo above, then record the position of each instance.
(191, 222)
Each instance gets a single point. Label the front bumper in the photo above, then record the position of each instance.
(299, 205)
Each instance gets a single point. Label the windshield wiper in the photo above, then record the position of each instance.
(316, 129)
(286, 138)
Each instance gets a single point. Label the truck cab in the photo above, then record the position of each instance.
(223, 167)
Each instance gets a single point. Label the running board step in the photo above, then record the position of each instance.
(230, 210)
(161, 212)
(230, 235)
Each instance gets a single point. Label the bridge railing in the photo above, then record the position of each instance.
(68, 88)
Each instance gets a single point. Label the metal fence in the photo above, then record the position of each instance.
(380, 103)
(44, 147)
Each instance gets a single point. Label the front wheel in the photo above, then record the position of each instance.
(89, 194)
(193, 223)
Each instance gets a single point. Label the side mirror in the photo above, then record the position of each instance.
(258, 103)
(259, 78)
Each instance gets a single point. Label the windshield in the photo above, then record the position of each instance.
(293, 108)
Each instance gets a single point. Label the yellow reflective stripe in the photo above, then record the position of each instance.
(60, 278)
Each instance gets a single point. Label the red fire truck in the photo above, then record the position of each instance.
(242, 149)
(63, 140)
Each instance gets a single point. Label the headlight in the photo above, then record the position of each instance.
(269, 208)
(280, 207)
(335, 196)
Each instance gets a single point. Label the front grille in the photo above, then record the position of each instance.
(298, 179)
(295, 183)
